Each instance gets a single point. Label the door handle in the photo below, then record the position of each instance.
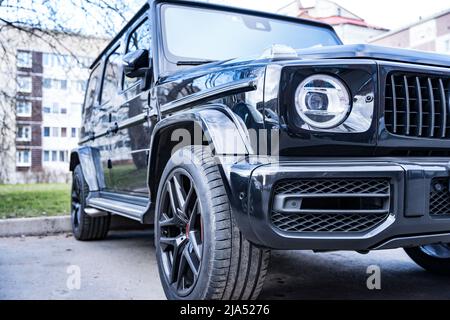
(114, 128)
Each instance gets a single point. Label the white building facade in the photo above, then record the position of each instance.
(429, 34)
(47, 84)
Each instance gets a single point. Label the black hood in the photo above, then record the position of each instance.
(377, 53)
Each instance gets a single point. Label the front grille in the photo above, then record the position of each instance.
(440, 198)
(417, 105)
(330, 205)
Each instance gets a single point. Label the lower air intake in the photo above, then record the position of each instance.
(440, 198)
(330, 205)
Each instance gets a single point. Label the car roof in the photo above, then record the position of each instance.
(210, 6)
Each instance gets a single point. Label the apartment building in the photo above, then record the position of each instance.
(350, 27)
(50, 78)
(429, 34)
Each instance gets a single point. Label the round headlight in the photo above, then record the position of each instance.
(322, 101)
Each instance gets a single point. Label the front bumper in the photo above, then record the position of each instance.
(407, 223)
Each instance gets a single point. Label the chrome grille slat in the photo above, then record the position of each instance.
(394, 104)
(431, 108)
(443, 108)
(408, 110)
(419, 107)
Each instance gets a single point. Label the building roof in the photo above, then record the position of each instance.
(339, 20)
(390, 33)
(350, 18)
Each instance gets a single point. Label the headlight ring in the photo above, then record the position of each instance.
(322, 101)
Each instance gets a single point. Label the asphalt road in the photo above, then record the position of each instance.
(124, 267)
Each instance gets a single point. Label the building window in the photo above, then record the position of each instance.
(24, 59)
(23, 108)
(55, 132)
(54, 84)
(64, 132)
(23, 158)
(62, 156)
(46, 132)
(75, 109)
(447, 46)
(46, 156)
(74, 133)
(78, 85)
(47, 109)
(55, 108)
(24, 84)
(46, 59)
(47, 83)
(54, 156)
(23, 133)
(63, 110)
(52, 60)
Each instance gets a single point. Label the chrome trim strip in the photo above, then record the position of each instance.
(140, 118)
(238, 86)
(84, 140)
(235, 87)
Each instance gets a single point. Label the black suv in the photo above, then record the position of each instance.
(236, 132)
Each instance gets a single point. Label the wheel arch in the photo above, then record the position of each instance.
(89, 160)
(211, 125)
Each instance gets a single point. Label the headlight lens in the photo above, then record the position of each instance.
(322, 101)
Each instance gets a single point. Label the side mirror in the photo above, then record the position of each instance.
(136, 63)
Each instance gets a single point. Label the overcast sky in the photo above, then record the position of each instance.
(391, 14)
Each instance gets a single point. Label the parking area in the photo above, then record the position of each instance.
(124, 267)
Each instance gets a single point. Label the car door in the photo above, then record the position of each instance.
(108, 101)
(130, 148)
(95, 123)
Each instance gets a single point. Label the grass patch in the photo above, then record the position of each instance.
(34, 200)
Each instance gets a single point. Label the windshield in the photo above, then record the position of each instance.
(193, 34)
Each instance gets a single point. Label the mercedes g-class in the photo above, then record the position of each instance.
(234, 132)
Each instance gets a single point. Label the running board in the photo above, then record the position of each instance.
(127, 210)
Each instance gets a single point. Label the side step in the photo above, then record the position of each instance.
(128, 210)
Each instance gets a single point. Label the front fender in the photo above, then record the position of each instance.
(222, 129)
(218, 125)
(89, 160)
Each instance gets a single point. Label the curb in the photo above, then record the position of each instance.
(43, 226)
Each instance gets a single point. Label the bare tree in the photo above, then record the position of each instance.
(52, 22)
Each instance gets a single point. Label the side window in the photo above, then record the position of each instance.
(140, 38)
(111, 79)
(90, 100)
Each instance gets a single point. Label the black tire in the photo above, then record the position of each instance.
(84, 227)
(229, 267)
(430, 259)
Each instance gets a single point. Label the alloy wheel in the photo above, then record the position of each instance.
(76, 203)
(181, 235)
